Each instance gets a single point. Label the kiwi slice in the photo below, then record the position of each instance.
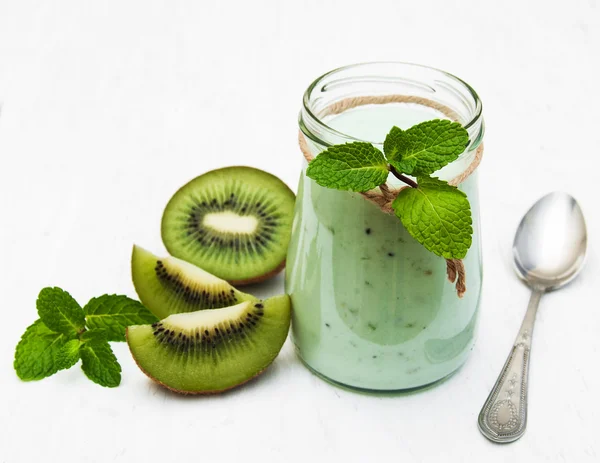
(233, 222)
(169, 285)
(211, 350)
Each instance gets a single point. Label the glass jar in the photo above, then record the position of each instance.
(372, 308)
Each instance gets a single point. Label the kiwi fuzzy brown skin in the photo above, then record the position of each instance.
(258, 279)
(194, 393)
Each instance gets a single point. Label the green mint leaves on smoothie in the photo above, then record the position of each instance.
(437, 206)
(66, 333)
(435, 213)
(354, 166)
(425, 147)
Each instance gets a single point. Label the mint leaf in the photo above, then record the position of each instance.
(354, 166)
(425, 147)
(94, 335)
(98, 361)
(68, 355)
(438, 216)
(60, 312)
(393, 143)
(36, 352)
(113, 313)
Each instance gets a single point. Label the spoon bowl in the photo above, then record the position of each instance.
(550, 242)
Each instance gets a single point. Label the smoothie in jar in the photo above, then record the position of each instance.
(373, 309)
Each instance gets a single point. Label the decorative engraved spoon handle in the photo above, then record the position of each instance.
(503, 417)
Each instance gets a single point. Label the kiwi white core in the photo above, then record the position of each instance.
(230, 222)
(201, 318)
(191, 271)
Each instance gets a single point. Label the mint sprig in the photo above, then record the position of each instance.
(436, 214)
(66, 333)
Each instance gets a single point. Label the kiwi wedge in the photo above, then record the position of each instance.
(233, 222)
(169, 285)
(210, 351)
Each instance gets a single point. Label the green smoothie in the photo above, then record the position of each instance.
(372, 307)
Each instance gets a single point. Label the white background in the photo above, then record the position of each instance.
(108, 107)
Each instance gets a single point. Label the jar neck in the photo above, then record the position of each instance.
(387, 83)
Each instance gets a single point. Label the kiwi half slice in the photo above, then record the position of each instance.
(169, 285)
(211, 350)
(233, 222)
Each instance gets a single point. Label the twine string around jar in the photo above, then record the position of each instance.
(384, 196)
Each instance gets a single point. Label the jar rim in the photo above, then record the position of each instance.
(475, 114)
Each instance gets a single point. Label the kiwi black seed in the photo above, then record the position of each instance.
(169, 285)
(233, 222)
(211, 350)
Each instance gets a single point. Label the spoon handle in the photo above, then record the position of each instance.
(503, 417)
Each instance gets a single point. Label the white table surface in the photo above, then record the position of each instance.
(108, 107)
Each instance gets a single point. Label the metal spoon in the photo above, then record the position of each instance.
(549, 250)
